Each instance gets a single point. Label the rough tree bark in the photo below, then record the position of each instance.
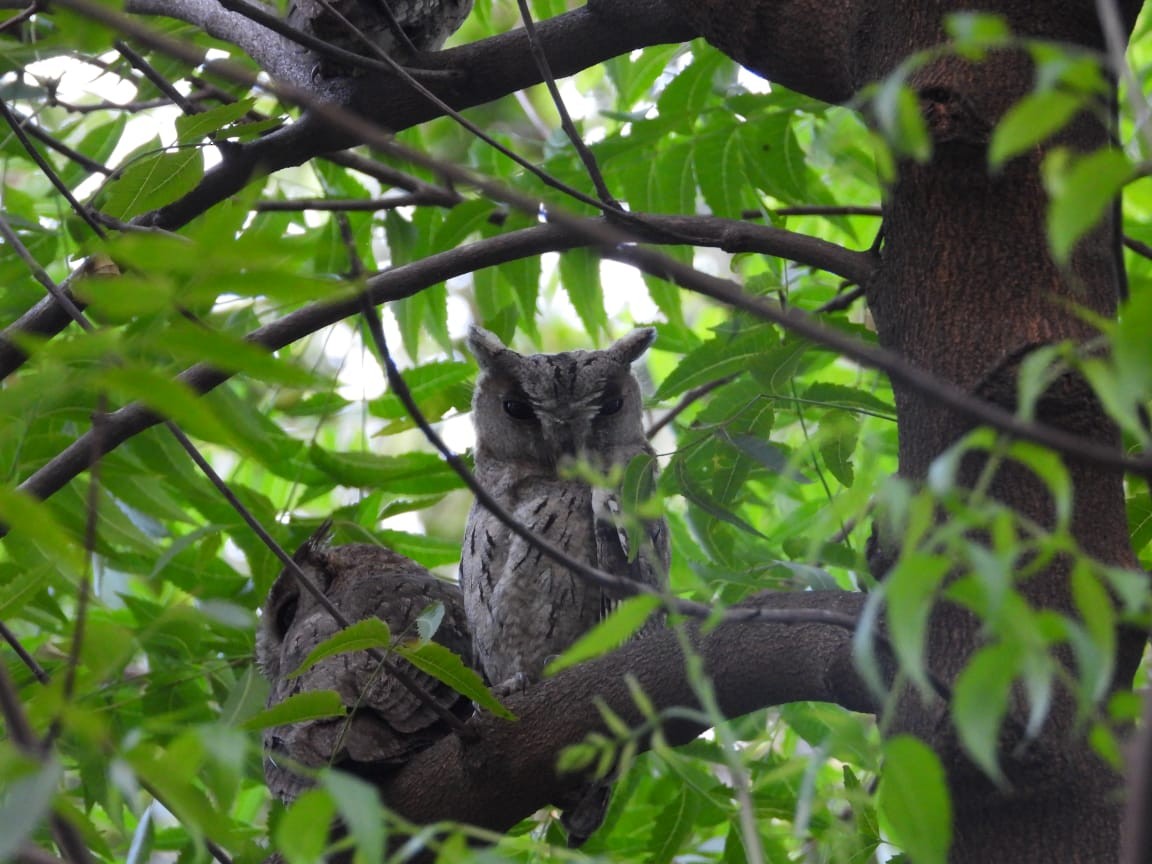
(966, 288)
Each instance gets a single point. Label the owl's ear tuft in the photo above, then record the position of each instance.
(629, 348)
(485, 346)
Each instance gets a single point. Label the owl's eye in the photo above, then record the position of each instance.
(518, 409)
(611, 406)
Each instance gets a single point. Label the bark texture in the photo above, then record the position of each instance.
(509, 771)
(966, 288)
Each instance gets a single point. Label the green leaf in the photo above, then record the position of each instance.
(697, 496)
(152, 182)
(898, 115)
(719, 161)
(1030, 122)
(168, 397)
(980, 701)
(913, 795)
(364, 634)
(837, 440)
(410, 474)
(428, 621)
(421, 548)
(191, 128)
(848, 398)
(674, 823)
(1094, 655)
(684, 98)
(910, 589)
(717, 358)
(628, 617)
(580, 276)
(246, 699)
(228, 353)
(302, 835)
(358, 803)
(437, 661)
(1080, 191)
(26, 805)
(309, 705)
(32, 521)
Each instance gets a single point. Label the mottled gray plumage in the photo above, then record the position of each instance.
(427, 23)
(532, 414)
(386, 722)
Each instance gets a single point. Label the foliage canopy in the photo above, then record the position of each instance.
(771, 474)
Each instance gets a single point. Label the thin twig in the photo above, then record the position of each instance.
(1140, 248)
(22, 652)
(84, 592)
(39, 273)
(46, 167)
(453, 722)
(60, 147)
(393, 177)
(22, 16)
(137, 61)
(827, 210)
(566, 123)
(405, 75)
(693, 395)
(345, 205)
(280, 26)
(841, 301)
(608, 581)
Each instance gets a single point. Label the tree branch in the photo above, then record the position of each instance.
(395, 284)
(496, 67)
(278, 56)
(751, 665)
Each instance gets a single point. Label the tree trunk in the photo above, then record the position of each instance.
(966, 288)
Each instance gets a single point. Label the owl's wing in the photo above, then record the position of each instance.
(384, 723)
(648, 564)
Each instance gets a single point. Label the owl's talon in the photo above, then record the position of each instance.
(518, 683)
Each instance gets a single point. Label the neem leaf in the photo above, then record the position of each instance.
(628, 616)
(443, 665)
(309, 705)
(368, 633)
(914, 797)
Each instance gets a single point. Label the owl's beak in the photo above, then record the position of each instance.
(565, 436)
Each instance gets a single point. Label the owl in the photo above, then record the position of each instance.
(386, 723)
(533, 415)
(427, 23)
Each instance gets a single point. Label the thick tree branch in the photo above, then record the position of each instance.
(278, 56)
(751, 665)
(495, 67)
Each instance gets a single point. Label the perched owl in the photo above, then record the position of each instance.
(427, 23)
(386, 723)
(532, 415)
